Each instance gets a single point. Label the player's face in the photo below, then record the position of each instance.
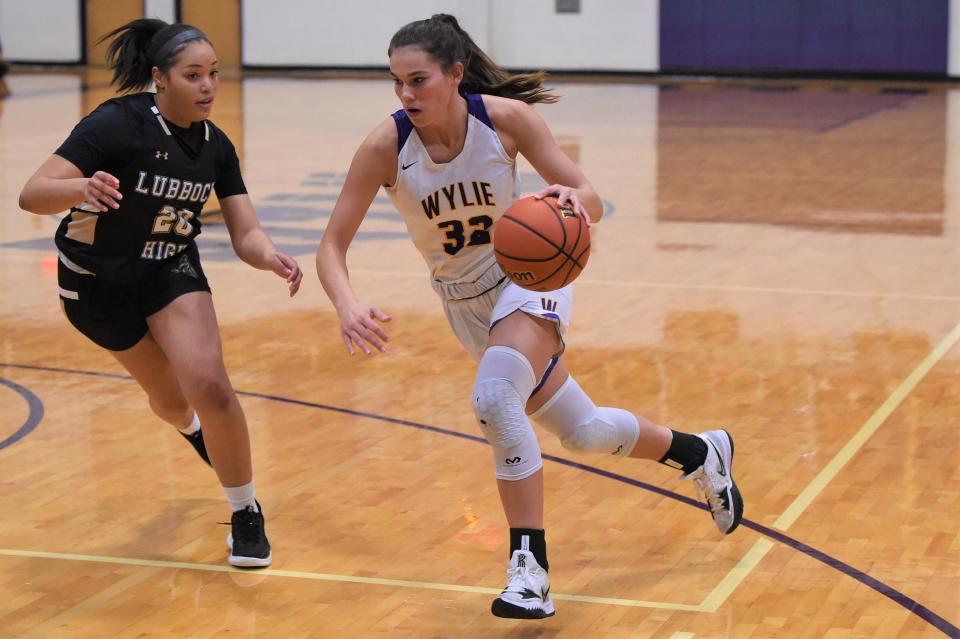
(425, 91)
(193, 81)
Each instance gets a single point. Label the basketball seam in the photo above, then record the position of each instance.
(563, 228)
(560, 249)
(537, 233)
(569, 258)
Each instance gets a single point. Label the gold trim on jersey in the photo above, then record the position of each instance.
(76, 268)
(82, 227)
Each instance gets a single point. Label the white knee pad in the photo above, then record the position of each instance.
(583, 427)
(505, 380)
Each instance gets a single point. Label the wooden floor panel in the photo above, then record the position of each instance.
(772, 262)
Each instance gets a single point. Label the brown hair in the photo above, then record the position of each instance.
(443, 39)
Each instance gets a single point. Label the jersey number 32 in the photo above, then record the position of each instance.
(479, 230)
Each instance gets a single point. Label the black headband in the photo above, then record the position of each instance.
(171, 45)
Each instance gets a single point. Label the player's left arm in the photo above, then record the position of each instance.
(535, 142)
(252, 244)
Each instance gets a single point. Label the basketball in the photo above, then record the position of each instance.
(540, 245)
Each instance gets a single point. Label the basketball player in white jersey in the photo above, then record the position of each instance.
(448, 162)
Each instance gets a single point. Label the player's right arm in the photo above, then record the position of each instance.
(58, 185)
(373, 165)
(62, 181)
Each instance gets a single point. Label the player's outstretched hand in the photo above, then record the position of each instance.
(566, 196)
(287, 268)
(101, 191)
(358, 325)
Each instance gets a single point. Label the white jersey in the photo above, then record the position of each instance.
(450, 208)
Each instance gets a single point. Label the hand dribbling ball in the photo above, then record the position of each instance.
(540, 245)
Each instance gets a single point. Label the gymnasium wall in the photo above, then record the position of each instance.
(41, 31)
(695, 36)
(850, 36)
(616, 35)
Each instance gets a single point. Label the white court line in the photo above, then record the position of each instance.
(682, 286)
(711, 602)
(319, 576)
(832, 469)
(737, 574)
(682, 635)
(733, 580)
(209, 265)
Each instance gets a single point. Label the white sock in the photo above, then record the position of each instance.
(241, 496)
(192, 427)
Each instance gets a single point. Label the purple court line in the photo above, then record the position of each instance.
(896, 596)
(33, 417)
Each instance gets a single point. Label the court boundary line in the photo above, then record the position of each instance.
(829, 472)
(34, 413)
(332, 577)
(912, 606)
(853, 445)
(678, 286)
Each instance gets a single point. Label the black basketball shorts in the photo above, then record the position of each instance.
(114, 315)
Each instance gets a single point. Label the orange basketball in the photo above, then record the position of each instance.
(540, 245)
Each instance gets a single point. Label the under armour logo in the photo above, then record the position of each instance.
(510, 461)
(162, 155)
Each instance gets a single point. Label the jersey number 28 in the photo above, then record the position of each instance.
(169, 217)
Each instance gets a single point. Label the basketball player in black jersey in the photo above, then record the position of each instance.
(135, 175)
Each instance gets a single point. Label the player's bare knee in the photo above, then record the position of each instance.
(172, 408)
(211, 393)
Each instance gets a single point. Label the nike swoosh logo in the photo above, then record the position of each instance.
(404, 167)
(723, 469)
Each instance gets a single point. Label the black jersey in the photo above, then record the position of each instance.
(166, 175)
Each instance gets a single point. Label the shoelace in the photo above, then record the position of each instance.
(701, 481)
(515, 580)
(248, 529)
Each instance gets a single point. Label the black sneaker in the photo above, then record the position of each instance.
(196, 440)
(4, 67)
(247, 540)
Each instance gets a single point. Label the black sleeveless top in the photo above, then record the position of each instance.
(166, 175)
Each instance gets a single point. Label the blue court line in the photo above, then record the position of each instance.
(33, 418)
(894, 595)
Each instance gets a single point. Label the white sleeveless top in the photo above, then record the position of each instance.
(450, 208)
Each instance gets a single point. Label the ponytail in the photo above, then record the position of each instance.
(443, 39)
(143, 44)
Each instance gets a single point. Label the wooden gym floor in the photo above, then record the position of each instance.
(780, 260)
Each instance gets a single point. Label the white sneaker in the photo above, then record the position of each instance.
(527, 595)
(715, 482)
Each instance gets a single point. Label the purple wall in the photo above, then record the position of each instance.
(886, 36)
